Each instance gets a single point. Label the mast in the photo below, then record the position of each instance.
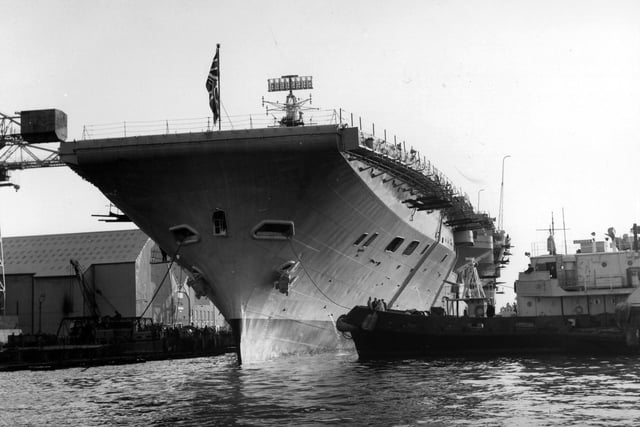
(564, 231)
(552, 232)
(219, 93)
(293, 107)
(500, 212)
(213, 87)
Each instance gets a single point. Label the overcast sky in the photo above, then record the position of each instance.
(553, 84)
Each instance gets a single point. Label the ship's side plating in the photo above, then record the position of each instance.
(288, 230)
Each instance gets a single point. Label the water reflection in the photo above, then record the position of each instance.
(329, 389)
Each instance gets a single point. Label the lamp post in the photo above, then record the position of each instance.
(3, 297)
(40, 300)
(500, 213)
(479, 191)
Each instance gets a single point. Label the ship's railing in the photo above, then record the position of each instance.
(398, 152)
(199, 124)
(411, 159)
(380, 144)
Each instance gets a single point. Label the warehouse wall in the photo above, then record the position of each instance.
(126, 287)
(60, 297)
(117, 283)
(19, 291)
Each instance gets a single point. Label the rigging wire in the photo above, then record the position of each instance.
(163, 279)
(311, 279)
(227, 114)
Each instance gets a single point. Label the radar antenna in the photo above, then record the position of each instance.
(293, 107)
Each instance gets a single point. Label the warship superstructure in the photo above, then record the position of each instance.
(286, 228)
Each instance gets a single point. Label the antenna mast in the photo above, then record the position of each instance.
(500, 212)
(564, 230)
(293, 107)
(552, 231)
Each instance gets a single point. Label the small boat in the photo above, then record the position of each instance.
(584, 303)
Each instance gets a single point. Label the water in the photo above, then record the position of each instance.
(330, 389)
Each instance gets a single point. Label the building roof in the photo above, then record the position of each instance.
(49, 255)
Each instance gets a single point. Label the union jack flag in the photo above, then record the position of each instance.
(213, 81)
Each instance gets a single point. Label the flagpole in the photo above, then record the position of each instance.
(219, 97)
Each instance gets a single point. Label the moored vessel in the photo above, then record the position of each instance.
(585, 303)
(286, 228)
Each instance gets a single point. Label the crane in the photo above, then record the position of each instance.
(25, 140)
(88, 295)
(22, 135)
(25, 147)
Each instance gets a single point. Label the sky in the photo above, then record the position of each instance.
(554, 85)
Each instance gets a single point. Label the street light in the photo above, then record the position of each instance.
(500, 213)
(479, 191)
(41, 300)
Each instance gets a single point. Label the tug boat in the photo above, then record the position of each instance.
(583, 303)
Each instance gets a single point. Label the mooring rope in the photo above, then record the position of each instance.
(163, 279)
(311, 279)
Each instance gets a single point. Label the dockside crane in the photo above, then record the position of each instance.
(88, 294)
(24, 140)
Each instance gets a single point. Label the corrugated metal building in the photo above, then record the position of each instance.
(122, 269)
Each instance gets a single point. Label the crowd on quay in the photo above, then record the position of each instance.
(190, 338)
(110, 330)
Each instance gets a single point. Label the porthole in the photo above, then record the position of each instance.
(370, 240)
(219, 220)
(394, 244)
(410, 248)
(360, 239)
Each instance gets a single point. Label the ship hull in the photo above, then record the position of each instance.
(391, 335)
(288, 258)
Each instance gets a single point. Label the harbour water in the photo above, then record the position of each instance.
(330, 389)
